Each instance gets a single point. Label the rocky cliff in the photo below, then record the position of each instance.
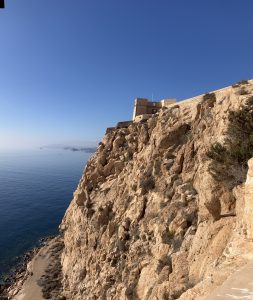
(162, 210)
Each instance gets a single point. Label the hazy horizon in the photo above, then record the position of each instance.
(33, 145)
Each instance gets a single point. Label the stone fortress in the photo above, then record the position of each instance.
(143, 108)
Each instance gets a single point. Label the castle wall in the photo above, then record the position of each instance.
(144, 107)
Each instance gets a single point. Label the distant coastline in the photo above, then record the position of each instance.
(87, 150)
(71, 148)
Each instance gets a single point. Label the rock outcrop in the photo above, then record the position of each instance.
(148, 219)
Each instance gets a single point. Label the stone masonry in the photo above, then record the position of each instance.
(143, 108)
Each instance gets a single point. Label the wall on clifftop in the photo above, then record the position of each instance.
(148, 220)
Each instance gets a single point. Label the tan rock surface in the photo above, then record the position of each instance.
(154, 223)
(148, 221)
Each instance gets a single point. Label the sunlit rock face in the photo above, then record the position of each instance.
(148, 220)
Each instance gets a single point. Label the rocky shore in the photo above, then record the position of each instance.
(40, 275)
(18, 270)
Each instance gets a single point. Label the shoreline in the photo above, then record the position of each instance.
(39, 276)
(17, 270)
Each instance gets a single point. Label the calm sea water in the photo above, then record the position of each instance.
(36, 187)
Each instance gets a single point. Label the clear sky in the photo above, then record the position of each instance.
(69, 69)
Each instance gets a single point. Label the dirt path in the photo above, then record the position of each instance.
(44, 274)
(31, 290)
(237, 286)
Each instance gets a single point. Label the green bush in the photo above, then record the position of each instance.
(217, 153)
(229, 161)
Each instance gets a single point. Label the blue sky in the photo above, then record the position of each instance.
(69, 69)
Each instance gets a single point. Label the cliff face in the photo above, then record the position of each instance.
(149, 220)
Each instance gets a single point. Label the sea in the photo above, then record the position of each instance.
(36, 187)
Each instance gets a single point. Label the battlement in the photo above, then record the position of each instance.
(143, 108)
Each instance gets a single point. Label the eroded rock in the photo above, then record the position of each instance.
(149, 219)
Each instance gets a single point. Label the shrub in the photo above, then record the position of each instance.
(229, 161)
(243, 91)
(239, 83)
(147, 183)
(171, 234)
(217, 153)
(249, 102)
(210, 98)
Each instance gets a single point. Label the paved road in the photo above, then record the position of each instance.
(237, 286)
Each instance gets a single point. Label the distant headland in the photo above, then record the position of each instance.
(71, 148)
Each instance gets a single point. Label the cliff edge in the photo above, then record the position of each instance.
(164, 207)
(155, 215)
